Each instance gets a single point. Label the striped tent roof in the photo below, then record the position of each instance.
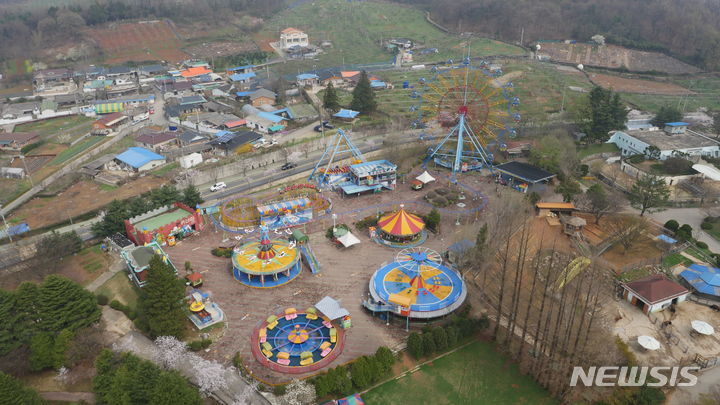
(107, 108)
(401, 223)
(274, 208)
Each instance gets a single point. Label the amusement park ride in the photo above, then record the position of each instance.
(476, 106)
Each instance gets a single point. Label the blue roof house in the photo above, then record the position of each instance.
(307, 79)
(242, 77)
(139, 159)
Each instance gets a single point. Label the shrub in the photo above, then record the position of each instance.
(672, 225)
(385, 359)
(197, 345)
(440, 201)
(442, 191)
(687, 228)
(701, 245)
(102, 299)
(639, 158)
(116, 305)
(706, 226)
(440, 337)
(367, 222)
(415, 345)
(222, 252)
(584, 170)
(429, 345)
(238, 361)
(279, 390)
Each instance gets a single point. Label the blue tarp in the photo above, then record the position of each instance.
(703, 279)
(307, 76)
(666, 239)
(377, 84)
(270, 116)
(14, 230)
(138, 157)
(244, 93)
(343, 113)
(676, 124)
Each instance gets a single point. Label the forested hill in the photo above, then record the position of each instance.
(689, 29)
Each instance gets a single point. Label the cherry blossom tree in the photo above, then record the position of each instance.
(298, 392)
(169, 351)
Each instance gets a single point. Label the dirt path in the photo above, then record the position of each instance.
(88, 397)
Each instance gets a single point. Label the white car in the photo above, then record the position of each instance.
(218, 186)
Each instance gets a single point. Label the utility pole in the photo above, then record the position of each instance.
(7, 228)
(27, 172)
(522, 35)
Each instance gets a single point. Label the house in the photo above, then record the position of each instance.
(290, 37)
(188, 100)
(234, 142)
(195, 72)
(302, 112)
(156, 141)
(93, 168)
(214, 106)
(378, 85)
(265, 122)
(50, 82)
(242, 78)
(235, 124)
(117, 71)
(176, 89)
(152, 70)
(225, 90)
(139, 159)
(16, 140)
(137, 260)
(674, 138)
(189, 137)
(110, 122)
(401, 42)
(262, 96)
(302, 52)
(654, 293)
(307, 79)
(240, 69)
(17, 110)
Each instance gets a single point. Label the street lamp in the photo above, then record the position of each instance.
(334, 217)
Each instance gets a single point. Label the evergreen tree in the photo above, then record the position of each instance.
(9, 320)
(60, 346)
(171, 388)
(161, 300)
(666, 114)
(13, 392)
(603, 112)
(452, 335)
(191, 196)
(64, 304)
(648, 194)
(363, 96)
(360, 373)
(330, 99)
(440, 337)
(429, 346)
(343, 384)
(386, 359)
(165, 195)
(716, 123)
(42, 352)
(415, 345)
(568, 189)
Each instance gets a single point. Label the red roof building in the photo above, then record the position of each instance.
(156, 140)
(109, 121)
(195, 71)
(654, 293)
(16, 140)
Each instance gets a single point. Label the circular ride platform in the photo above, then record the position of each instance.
(266, 263)
(418, 285)
(297, 345)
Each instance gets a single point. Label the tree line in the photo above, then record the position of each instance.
(688, 29)
(24, 29)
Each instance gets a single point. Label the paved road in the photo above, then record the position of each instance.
(692, 217)
(708, 383)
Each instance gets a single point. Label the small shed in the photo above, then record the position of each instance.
(346, 115)
(523, 177)
(194, 279)
(299, 237)
(331, 308)
(654, 293)
(546, 209)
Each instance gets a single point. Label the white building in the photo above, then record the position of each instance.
(190, 160)
(674, 138)
(654, 293)
(290, 37)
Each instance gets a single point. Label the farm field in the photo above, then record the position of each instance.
(355, 29)
(705, 94)
(613, 56)
(141, 41)
(475, 374)
(628, 85)
(76, 149)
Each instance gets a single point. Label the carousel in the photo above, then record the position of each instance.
(266, 263)
(399, 229)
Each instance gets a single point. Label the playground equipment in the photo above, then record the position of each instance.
(399, 229)
(203, 312)
(266, 263)
(347, 169)
(475, 104)
(297, 342)
(308, 256)
(416, 285)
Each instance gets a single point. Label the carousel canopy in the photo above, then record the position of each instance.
(401, 223)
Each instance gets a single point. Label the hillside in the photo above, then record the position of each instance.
(686, 28)
(356, 29)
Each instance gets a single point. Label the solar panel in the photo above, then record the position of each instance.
(226, 138)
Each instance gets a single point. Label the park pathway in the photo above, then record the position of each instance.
(116, 266)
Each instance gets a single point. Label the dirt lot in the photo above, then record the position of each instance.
(625, 85)
(81, 197)
(139, 41)
(225, 48)
(613, 56)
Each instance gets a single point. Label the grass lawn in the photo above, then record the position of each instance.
(356, 28)
(165, 169)
(597, 148)
(76, 149)
(475, 374)
(92, 259)
(714, 231)
(10, 189)
(118, 287)
(700, 254)
(675, 259)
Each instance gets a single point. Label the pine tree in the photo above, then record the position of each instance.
(385, 358)
(13, 392)
(171, 388)
(27, 309)
(162, 299)
(440, 338)
(363, 96)
(360, 373)
(191, 196)
(64, 304)
(9, 319)
(330, 99)
(415, 345)
(666, 114)
(42, 353)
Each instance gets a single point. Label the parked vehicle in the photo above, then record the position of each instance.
(218, 186)
(288, 166)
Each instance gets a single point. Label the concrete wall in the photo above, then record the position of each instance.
(669, 180)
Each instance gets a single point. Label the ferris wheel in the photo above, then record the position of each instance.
(475, 104)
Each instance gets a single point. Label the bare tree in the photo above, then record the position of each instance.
(627, 230)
